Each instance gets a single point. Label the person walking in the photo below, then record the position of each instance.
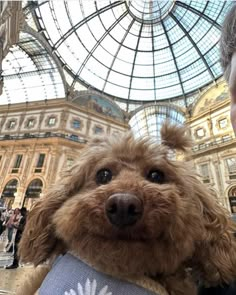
(20, 229)
(14, 218)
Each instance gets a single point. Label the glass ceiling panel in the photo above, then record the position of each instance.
(124, 81)
(125, 66)
(148, 120)
(73, 10)
(216, 69)
(190, 84)
(58, 14)
(29, 73)
(143, 71)
(199, 30)
(112, 88)
(172, 43)
(198, 5)
(184, 60)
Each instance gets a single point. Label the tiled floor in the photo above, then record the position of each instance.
(12, 278)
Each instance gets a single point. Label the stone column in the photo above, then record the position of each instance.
(53, 167)
(88, 126)
(19, 197)
(27, 169)
(220, 185)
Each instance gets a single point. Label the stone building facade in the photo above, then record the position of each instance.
(214, 150)
(40, 139)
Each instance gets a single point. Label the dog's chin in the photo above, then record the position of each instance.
(128, 235)
(122, 249)
(130, 254)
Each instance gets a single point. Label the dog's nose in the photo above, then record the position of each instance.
(123, 209)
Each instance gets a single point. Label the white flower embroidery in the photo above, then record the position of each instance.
(89, 289)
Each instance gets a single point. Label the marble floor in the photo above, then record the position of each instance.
(10, 279)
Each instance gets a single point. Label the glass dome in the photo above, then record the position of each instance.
(148, 120)
(137, 50)
(29, 73)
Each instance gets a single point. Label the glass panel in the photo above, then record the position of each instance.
(114, 40)
(149, 119)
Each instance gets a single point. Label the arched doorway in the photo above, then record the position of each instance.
(8, 194)
(32, 193)
(232, 199)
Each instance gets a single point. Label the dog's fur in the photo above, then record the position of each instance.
(182, 225)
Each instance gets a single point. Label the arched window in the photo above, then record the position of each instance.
(33, 192)
(232, 199)
(8, 194)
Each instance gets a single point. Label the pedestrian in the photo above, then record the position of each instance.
(19, 230)
(2, 220)
(13, 219)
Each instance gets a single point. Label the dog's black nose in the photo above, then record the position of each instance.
(123, 209)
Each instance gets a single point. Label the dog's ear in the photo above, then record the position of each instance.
(215, 255)
(39, 241)
(175, 137)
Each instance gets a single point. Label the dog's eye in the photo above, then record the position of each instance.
(156, 176)
(103, 176)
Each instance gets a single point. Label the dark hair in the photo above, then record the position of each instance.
(23, 211)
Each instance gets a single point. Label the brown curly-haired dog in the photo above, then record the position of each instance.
(128, 203)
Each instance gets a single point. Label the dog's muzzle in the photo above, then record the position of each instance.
(123, 209)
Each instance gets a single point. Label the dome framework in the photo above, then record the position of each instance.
(136, 51)
(30, 73)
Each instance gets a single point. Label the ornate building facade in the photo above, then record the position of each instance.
(40, 139)
(214, 150)
(42, 136)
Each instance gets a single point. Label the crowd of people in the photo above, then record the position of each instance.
(12, 223)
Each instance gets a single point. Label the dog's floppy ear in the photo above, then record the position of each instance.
(175, 137)
(215, 255)
(39, 242)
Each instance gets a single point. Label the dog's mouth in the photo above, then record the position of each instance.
(123, 237)
(128, 234)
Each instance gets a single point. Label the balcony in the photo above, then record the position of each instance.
(213, 145)
(43, 135)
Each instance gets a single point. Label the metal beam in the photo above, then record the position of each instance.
(174, 59)
(132, 71)
(194, 45)
(202, 15)
(98, 43)
(84, 21)
(117, 51)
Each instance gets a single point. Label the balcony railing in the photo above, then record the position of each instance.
(213, 144)
(71, 137)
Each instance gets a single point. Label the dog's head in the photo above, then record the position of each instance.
(127, 208)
